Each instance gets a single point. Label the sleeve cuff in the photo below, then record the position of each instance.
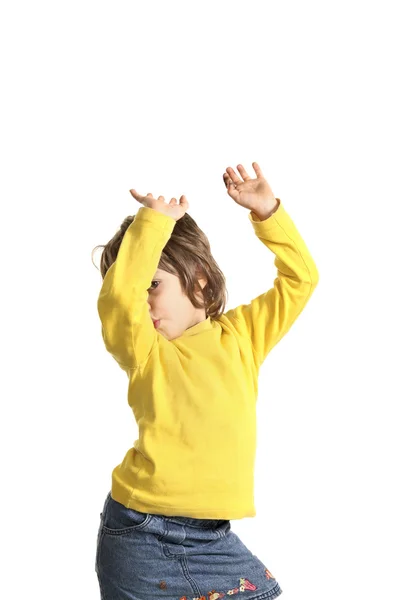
(155, 218)
(271, 221)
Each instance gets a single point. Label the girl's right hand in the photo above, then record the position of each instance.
(171, 209)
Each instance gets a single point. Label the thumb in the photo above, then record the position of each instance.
(232, 191)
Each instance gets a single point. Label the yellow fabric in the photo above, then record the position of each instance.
(194, 397)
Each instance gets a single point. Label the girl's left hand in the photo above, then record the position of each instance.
(254, 194)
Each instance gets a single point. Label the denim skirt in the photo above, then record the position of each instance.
(143, 556)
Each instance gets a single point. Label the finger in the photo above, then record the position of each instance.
(183, 202)
(137, 196)
(243, 172)
(228, 182)
(173, 201)
(257, 170)
(233, 175)
(161, 198)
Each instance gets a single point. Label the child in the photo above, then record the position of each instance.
(165, 528)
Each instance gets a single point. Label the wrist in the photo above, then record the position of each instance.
(263, 215)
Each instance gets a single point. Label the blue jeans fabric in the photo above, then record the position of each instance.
(142, 556)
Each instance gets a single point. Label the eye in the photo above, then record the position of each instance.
(152, 284)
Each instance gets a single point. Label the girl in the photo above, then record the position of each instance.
(193, 369)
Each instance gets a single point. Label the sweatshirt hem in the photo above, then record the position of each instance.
(129, 501)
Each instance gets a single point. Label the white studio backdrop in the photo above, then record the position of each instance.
(101, 97)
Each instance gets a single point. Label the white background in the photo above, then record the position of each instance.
(101, 97)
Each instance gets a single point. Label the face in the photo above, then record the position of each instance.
(168, 303)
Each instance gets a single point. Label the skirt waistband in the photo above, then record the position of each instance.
(192, 522)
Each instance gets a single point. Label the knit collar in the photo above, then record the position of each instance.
(198, 328)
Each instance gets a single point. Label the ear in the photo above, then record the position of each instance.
(201, 282)
(200, 276)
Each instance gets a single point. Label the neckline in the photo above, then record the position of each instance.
(199, 327)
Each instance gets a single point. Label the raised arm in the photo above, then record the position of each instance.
(127, 329)
(269, 316)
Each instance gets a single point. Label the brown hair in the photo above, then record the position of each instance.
(187, 254)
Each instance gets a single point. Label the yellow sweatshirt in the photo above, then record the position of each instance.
(194, 397)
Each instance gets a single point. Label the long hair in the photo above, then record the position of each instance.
(187, 254)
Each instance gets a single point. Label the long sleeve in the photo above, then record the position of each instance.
(269, 316)
(127, 329)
